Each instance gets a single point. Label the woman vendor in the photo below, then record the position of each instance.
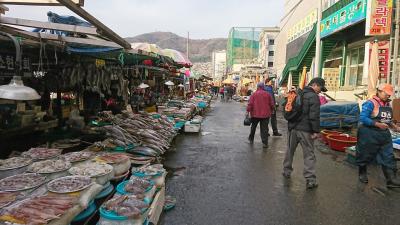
(374, 137)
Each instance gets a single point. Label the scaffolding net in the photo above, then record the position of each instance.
(243, 45)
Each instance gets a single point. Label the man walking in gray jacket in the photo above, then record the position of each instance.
(305, 130)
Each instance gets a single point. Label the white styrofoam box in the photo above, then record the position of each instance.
(192, 128)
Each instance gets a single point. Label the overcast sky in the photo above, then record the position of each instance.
(202, 18)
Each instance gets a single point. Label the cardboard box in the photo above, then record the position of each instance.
(21, 107)
(396, 109)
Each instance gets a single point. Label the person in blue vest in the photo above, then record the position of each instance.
(374, 140)
(274, 123)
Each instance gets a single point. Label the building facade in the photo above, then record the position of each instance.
(300, 16)
(348, 30)
(218, 65)
(267, 49)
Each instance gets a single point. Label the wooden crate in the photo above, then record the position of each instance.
(157, 206)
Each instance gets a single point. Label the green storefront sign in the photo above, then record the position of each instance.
(352, 13)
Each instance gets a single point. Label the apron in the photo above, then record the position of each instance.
(374, 143)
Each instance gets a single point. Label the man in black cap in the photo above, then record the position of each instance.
(305, 130)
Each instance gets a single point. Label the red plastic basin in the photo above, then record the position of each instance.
(341, 142)
(325, 133)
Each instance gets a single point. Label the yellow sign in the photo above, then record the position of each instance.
(331, 76)
(100, 62)
(302, 27)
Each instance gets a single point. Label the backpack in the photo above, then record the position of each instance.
(293, 106)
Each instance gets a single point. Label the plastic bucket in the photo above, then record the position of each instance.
(325, 134)
(202, 105)
(109, 217)
(84, 215)
(341, 142)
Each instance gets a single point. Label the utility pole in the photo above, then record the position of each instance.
(318, 42)
(396, 44)
(187, 45)
(187, 55)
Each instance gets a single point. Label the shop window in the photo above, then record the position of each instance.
(355, 64)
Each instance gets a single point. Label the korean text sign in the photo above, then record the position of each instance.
(379, 17)
(350, 14)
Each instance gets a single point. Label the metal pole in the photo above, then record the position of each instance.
(103, 29)
(396, 43)
(318, 42)
(389, 74)
(187, 45)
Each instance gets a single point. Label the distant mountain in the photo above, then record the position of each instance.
(200, 49)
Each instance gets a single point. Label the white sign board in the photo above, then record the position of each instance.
(38, 2)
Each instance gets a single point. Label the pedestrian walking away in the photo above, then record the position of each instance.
(226, 93)
(221, 92)
(259, 109)
(304, 130)
(374, 140)
(270, 90)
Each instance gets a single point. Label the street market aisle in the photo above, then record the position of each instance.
(227, 182)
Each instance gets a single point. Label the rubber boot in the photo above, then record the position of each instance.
(362, 174)
(391, 180)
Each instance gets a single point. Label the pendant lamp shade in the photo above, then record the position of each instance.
(143, 86)
(16, 90)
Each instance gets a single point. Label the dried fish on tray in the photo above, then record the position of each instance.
(76, 156)
(7, 198)
(49, 166)
(149, 171)
(126, 206)
(69, 184)
(14, 163)
(152, 134)
(21, 182)
(92, 169)
(138, 186)
(113, 158)
(42, 153)
(38, 210)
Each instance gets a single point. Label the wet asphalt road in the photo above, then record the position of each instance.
(221, 180)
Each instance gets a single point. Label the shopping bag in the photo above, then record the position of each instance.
(247, 120)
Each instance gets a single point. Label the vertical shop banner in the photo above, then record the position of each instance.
(379, 17)
(383, 58)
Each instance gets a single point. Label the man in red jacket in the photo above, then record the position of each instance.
(260, 108)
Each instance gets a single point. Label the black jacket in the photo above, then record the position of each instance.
(309, 120)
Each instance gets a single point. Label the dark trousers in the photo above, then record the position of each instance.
(307, 144)
(263, 129)
(373, 143)
(274, 124)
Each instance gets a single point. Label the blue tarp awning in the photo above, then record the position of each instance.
(336, 114)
